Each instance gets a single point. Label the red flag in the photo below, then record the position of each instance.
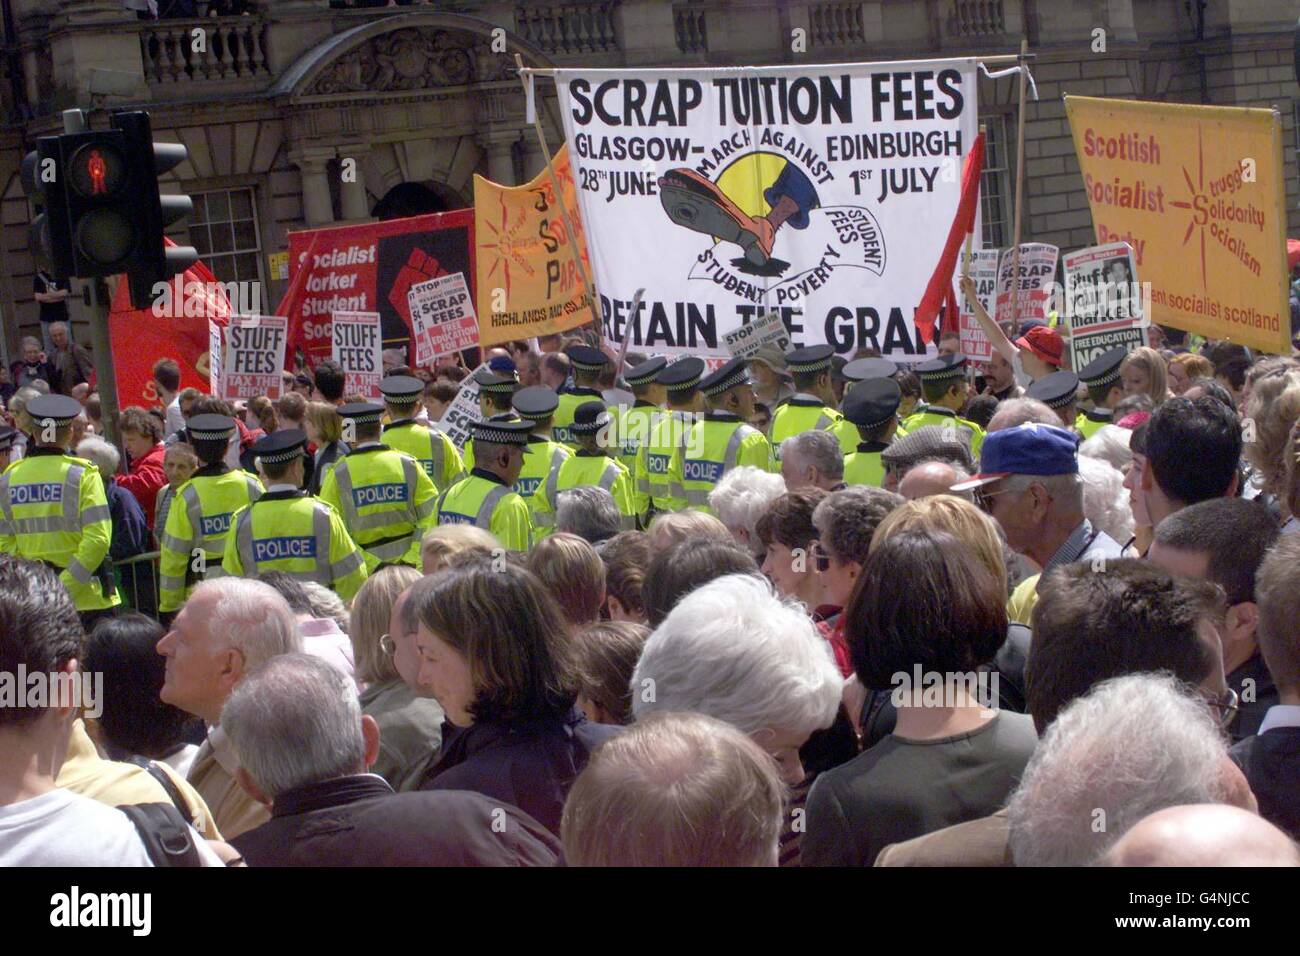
(939, 290)
(139, 337)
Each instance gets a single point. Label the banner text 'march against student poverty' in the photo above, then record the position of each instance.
(821, 193)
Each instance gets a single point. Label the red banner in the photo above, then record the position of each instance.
(369, 268)
(177, 327)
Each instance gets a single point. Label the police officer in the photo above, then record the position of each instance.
(1105, 389)
(543, 457)
(198, 521)
(632, 424)
(593, 464)
(53, 509)
(943, 386)
(485, 498)
(430, 446)
(863, 369)
(813, 404)
(289, 530)
(681, 382)
(384, 496)
(587, 364)
(7, 436)
(496, 391)
(1059, 391)
(872, 407)
(723, 440)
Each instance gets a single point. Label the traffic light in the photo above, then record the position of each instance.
(101, 210)
(154, 261)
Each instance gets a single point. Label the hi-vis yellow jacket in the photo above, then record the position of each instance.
(386, 501)
(53, 509)
(199, 520)
(431, 447)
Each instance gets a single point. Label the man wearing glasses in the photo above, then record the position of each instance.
(1029, 482)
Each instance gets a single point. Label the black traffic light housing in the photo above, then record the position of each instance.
(102, 213)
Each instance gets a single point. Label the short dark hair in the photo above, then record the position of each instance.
(211, 405)
(511, 633)
(167, 373)
(626, 557)
(1234, 370)
(1278, 596)
(934, 391)
(1128, 617)
(289, 588)
(134, 720)
(686, 566)
(136, 419)
(39, 627)
(804, 381)
(1194, 447)
(908, 383)
(441, 391)
(1212, 389)
(1097, 393)
(851, 517)
(1233, 533)
(329, 379)
(788, 519)
(921, 600)
(981, 410)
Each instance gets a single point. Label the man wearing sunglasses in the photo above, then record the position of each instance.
(1029, 482)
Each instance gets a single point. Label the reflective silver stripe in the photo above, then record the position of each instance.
(543, 519)
(345, 566)
(376, 519)
(320, 529)
(79, 571)
(824, 422)
(173, 543)
(343, 481)
(72, 494)
(97, 513)
(609, 477)
(214, 572)
(696, 496)
(169, 583)
(733, 446)
(244, 542)
(423, 511)
(437, 502)
(411, 473)
(392, 551)
(255, 489)
(4, 499)
(193, 508)
(553, 478)
(438, 452)
(484, 517)
(50, 524)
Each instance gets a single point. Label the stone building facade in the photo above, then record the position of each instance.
(410, 101)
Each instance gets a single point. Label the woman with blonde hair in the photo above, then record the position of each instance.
(443, 543)
(410, 725)
(324, 428)
(1143, 373)
(1271, 415)
(572, 571)
(672, 527)
(1187, 367)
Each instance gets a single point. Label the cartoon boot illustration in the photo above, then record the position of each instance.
(695, 202)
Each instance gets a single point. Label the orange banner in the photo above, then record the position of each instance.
(528, 282)
(1198, 192)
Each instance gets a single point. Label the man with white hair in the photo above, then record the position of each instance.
(226, 628)
(741, 497)
(675, 790)
(1204, 834)
(1029, 482)
(588, 511)
(72, 363)
(1014, 412)
(812, 459)
(305, 750)
(1131, 746)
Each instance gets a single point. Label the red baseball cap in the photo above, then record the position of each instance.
(1046, 343)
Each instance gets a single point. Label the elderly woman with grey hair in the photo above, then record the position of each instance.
(589, 512)
(740, 498)
(130, 529)
(769, 674)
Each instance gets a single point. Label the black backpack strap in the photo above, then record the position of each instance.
(164, 833)
(169, 786)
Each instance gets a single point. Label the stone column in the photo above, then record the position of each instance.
(352, 190)
(317, 208)
(498, 144)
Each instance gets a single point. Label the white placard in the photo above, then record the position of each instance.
(1104, 301)
(443, 318)
(463, 410)
(254, 356)
(357, 344)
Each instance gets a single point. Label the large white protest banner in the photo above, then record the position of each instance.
(463, 410)
(975, 345)
(816, 192)
(443, 318)
(254, 357)
(1104, 301)
(1032, 288)
(357, 344)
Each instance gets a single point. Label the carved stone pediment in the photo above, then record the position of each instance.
(401, 60)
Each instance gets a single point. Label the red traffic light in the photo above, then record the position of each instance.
(97, 171)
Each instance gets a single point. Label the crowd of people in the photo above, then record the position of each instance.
(798, 609)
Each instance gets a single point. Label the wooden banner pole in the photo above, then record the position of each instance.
(1020, 188)
(574, 245)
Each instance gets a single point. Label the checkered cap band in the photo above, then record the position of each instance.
(209, 436)
(275, 457)
(410, 399)
(505, 388)
(802, 368)
(488, 432)
(952, 371)
(366, 418)
(1111, 376)
(738, 377)
(591, 428)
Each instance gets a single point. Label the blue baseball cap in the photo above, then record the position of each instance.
(1028, 449)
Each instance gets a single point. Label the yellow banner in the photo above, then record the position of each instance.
(1198, 192)
(528, 282)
